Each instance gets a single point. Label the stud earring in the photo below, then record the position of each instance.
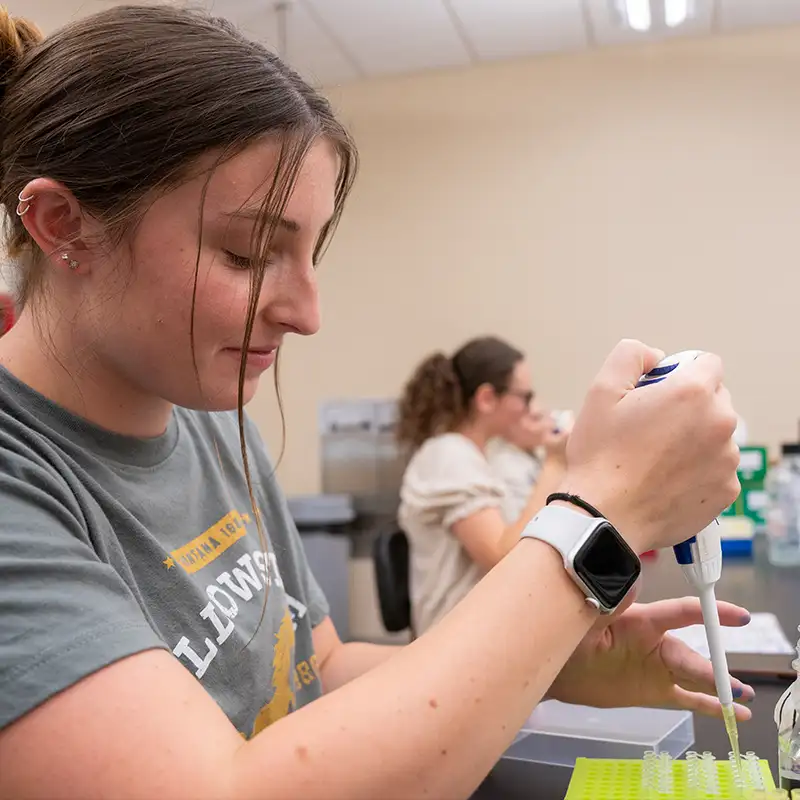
(23, 201)
(70, 261)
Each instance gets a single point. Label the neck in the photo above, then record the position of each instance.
(72, 377)
(474, 434)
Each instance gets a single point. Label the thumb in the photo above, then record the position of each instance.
(626, 364)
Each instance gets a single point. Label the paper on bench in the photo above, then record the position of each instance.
(762, 635)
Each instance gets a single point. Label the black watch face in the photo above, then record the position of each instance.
(607, 565)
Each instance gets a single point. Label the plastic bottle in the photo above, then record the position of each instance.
(783, 509)
(787, 719)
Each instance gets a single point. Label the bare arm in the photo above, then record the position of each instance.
(440, 711)
(144, 727)
(486, 536)
(340, 662)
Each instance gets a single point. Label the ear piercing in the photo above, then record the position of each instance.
(24, 204)
(23, 207)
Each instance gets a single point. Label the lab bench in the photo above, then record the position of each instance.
(749, 582)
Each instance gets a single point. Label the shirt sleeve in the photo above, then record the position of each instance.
(448, 481)
(517, 472)
(64, 613)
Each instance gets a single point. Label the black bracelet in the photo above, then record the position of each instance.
(575, 501)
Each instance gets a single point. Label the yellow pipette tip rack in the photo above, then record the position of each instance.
(662, 778)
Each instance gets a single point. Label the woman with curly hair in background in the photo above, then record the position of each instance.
(454, 504)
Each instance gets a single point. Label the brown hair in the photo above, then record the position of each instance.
(119, 106)
(438, 396)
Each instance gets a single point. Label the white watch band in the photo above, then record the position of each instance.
(561, 528)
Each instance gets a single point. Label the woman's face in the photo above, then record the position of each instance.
(138, 315)
(512, 406)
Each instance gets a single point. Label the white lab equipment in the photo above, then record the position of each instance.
(787, 719)
(783, 509)
(700, 558)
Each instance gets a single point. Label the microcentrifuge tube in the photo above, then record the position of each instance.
(649, 775)
(710, 776)
(665, 773)
(693, 783)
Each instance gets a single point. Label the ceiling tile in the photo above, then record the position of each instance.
(746, 13)
(331, 41)
(609, 31)
(513, 28)
(393, 36)
(309, 47)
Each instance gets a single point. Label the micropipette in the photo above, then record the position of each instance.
(700, 559)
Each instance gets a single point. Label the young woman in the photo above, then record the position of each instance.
(169, 187)
(455, 502)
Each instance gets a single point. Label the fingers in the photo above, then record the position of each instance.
(693, 672)
(625, 365)
(724, 396)
(706, 704)
(726, 409)
(681, 612)
(732, 616)
(707, 368)
(699, 384)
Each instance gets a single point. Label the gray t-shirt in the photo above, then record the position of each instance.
(111, 545)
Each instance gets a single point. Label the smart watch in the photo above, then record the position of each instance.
(596, 557)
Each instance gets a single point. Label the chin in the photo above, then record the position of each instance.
(226, 398)
(229, 401)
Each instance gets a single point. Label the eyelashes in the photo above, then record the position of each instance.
(244, 262)
(240, 262)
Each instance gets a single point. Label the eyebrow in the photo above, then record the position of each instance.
(256, 214)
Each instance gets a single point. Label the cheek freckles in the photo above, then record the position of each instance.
(221, 306)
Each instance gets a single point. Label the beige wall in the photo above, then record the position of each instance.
(564, 203)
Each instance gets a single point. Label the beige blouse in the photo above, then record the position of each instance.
(448, 479)
(517, 471)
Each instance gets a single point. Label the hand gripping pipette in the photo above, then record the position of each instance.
(700, 558)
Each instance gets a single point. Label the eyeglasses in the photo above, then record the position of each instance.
(526, 397)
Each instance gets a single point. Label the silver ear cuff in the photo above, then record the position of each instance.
(23, 201)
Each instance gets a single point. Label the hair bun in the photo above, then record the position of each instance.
(17, 37)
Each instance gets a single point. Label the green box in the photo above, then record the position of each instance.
(751, 503)
(753, 465)
(752, 500)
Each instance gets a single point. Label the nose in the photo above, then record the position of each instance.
(293, 302)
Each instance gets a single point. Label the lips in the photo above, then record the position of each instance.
(257, 358)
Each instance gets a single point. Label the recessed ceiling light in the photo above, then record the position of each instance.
(644, 15)
(637, 14)
(676, 12)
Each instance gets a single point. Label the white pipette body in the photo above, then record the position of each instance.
(703, 571)
(700, 557)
